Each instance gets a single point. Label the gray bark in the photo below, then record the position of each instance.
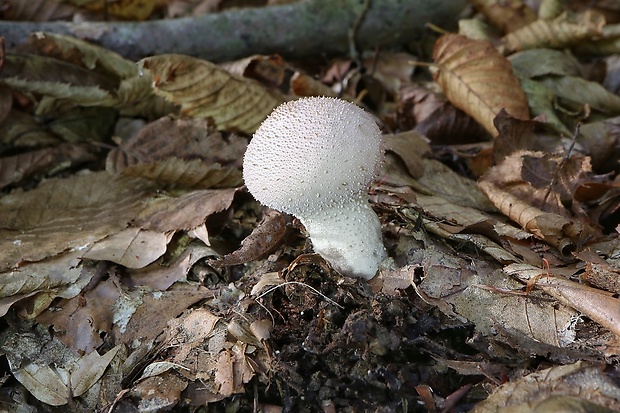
(307, 28)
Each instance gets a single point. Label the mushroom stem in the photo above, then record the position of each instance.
(348, 236)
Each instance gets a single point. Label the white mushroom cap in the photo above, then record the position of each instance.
(316, 157)
(312, 151)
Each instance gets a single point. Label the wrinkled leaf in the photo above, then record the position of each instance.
(478, 80)
(205, 90)
(563, 31)
(132, 247)
(64, 214)
(506, 15)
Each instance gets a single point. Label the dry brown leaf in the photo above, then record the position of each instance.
(477, 79)
(147, 320)
(185, 212)
(263, 239)
(59, 80)
(600, 306)
(565, 30)
(37, 10)
(21, 130)
(506, 15)
(88, 370)
(132, 247)
(79, 322)
(410, 147)
(67, 214)
(302, 84)
(58, 276)
(161, 393)
(160, 277)
(205, 90)
(580, 381)
(87, 55)
(16, 168)
(185, 139)
(125, 9)
(187, 174)
(552, 228)
(269, 70)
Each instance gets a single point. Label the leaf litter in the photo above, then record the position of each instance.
(138, 274)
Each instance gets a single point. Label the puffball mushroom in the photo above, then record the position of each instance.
(315, 158)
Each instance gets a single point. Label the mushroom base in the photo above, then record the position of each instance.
(349, 237)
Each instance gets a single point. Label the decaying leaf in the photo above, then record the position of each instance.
(565, 30)
(508, 16)
(37, 10)
(126, 9)
(598, 305)
(581, 92)
(584, 388)
(14, 169)
(552, 228)
(205, 90)
(265, 237)
(188, 153)
(132, 247)
(67, 214)
(478, 80)
(74, 71)
(184, 212)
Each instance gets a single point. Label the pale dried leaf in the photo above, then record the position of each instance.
(565, 30)
(37, 10)
(160, 277)
(477, 79)
(44, 383)
(598, 305)
(177, 138)
(507, 15)
(89, 369)
(187, 173)
(132, 247)
(580, 379)
(64, 214)
(550, 9)
(52, 275)
(184, 212)
(266, 280)
(205, 90)
(14, 169)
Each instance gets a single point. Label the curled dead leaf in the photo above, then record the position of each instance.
(565, 30)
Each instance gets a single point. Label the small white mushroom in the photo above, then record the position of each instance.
(315, 158)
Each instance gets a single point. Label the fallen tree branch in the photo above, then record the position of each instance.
(307, 28)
